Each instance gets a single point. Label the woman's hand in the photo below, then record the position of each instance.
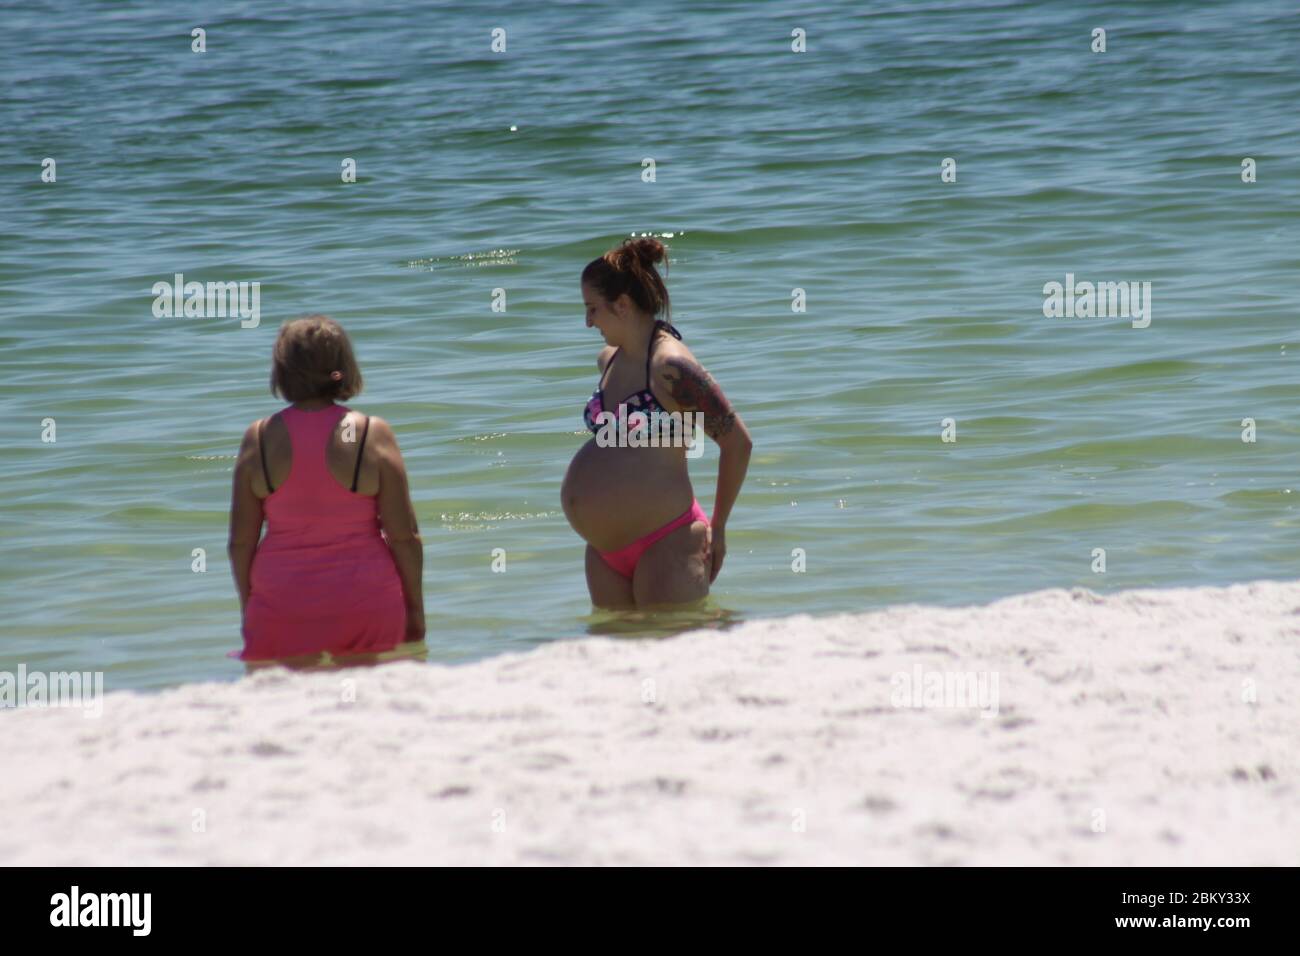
(414, 624)
(719, 551)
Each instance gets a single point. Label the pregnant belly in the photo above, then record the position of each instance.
(612, 496)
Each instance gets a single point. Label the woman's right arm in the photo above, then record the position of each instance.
(397, 516)
(245, 515)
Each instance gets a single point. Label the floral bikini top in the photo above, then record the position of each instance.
(642, 401)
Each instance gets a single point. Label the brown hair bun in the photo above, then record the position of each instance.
(630, 268)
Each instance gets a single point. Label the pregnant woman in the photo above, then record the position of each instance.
(340, 566)
(648, 540)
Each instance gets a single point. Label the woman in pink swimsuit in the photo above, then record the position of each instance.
(339, 569)
(648, 540)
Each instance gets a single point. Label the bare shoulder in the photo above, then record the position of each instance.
(269, 429)
(247, 461)
(248, 445)
(376, 428)
(382, 439)
(672, 361)
(603, 358)
(359, 422)
(670, 348)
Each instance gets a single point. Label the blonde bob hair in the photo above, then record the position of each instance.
(313, 359)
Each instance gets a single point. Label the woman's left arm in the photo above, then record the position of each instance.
(694, 390)
(245, 516)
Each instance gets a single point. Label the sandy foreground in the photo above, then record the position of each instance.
(1148, 727)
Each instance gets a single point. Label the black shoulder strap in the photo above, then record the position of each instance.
(361, 450)
(650, 346)
(261, 450)
(608, 365)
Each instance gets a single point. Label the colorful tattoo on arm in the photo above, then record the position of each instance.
(695, 391)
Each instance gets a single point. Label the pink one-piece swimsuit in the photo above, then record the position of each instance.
(323, 578)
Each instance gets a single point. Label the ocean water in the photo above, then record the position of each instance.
(774, 171)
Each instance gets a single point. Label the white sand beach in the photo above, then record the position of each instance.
(1148, 727)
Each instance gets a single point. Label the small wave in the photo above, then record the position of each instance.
(492, 257)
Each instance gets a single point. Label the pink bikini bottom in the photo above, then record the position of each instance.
(624, 560)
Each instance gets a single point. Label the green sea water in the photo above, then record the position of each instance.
(775, 171)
